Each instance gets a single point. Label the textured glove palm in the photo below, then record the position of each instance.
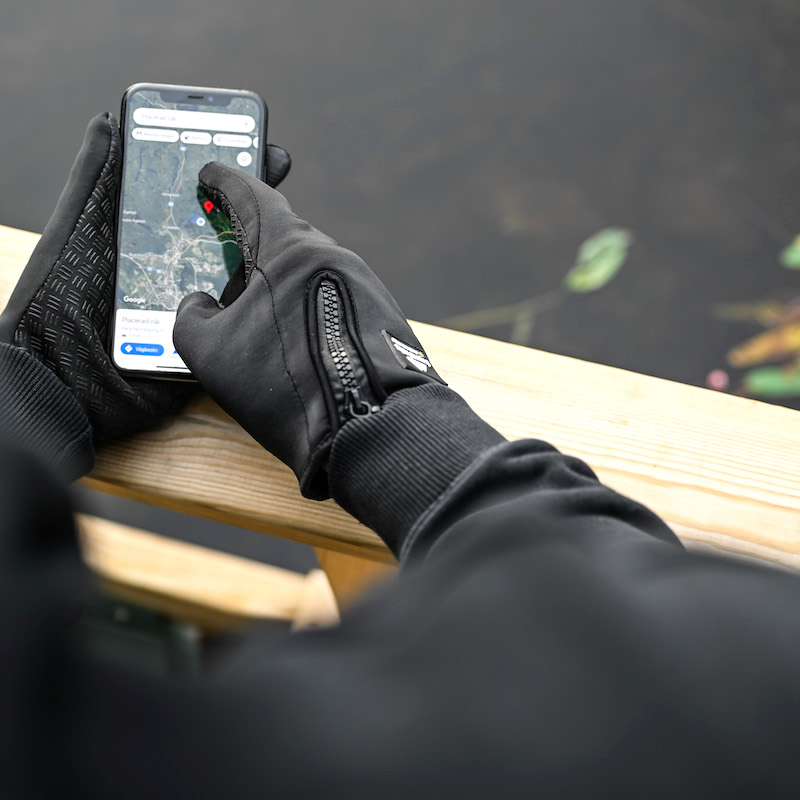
(60, 310)
(305, 336)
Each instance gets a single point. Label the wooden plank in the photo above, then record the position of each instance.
(742, 549)
(203, 463)
(215, 590)
(349, 575)
(727, 468)
(15, 249)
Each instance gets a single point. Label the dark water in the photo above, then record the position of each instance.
(465, 149)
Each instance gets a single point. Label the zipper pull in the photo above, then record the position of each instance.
(356, 405)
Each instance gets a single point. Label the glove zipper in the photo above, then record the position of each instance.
(341, 359)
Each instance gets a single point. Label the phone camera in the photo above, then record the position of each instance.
(211, 98)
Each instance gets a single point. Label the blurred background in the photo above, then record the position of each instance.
(472, 152)
(467, 149)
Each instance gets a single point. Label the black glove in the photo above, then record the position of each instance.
(60, 310)
(304, 338)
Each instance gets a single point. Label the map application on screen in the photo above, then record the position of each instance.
(172, 239)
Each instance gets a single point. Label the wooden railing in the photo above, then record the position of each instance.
(724, 471)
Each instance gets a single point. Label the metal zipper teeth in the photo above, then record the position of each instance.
(333, 336)
(355, 400)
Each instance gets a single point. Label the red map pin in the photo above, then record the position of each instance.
(208, 206)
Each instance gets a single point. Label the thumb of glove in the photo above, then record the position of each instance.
(195, 332)
(197, 307)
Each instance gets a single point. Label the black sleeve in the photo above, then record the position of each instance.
(428, 460)
(41, 415)
(546, 637)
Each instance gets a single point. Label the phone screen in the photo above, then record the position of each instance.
(171, 239)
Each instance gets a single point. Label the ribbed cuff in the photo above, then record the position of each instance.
(39, 413)
(387, 469)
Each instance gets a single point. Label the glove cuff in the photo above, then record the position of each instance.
(42, 415)
(387, 469)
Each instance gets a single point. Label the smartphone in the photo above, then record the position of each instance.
(171, 239)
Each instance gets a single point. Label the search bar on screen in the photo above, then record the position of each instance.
(202, 120)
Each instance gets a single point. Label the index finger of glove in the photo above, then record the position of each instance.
(261, 217)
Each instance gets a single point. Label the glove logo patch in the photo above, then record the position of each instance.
(409, 356)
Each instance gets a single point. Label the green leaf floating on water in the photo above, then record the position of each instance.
(599, 260)
(790, 256)
(773, 382)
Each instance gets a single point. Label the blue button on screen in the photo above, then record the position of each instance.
(136, 349)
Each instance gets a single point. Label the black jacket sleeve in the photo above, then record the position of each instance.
(41, 415)
(545, 637)
(427, 461)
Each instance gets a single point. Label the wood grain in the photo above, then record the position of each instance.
(724, 467)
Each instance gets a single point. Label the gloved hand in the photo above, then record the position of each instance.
(304, 338)
(61, 308)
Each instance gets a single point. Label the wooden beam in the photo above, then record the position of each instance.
(350, 576)
(214, 590)
(724, 467)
